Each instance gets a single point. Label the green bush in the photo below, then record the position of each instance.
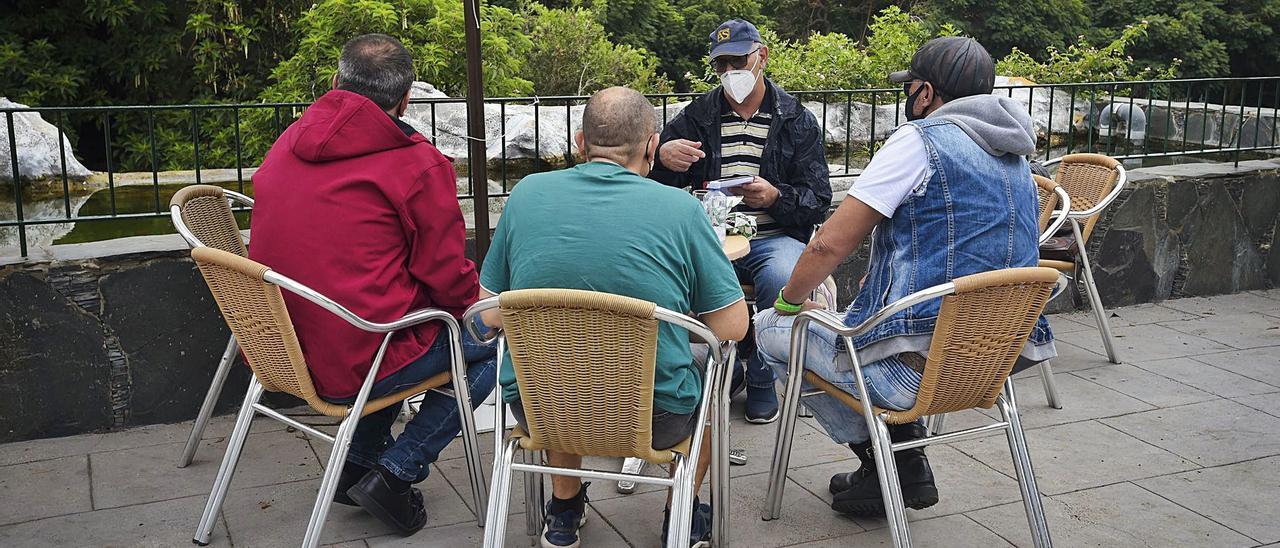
(571, 55)
(1083, 62)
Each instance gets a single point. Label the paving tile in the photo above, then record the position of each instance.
(964, 484)
(1241, 496)
(1221, 304)
(1144, 385)
(50, 448)
(1144, 314)
(1080, 455)
(805, 517)
(597, 532)
(1116, 515)
(1074, 357)
(1069, 323)
(43, 489)
(349, 544)
(1209, 433)
(1206, 377)
(811, 445)
(1267, 403)
(1082, 400)
(277, 515)
(1148, 342)
(1237, 330)
(1260, 364)
(168, 523)
(1268, 293)
(131, 476)
(955, 530)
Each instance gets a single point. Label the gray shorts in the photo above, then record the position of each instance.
(669, 429)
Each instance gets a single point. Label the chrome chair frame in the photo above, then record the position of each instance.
(1091, 287)
(1061, 216)
(886, 469)
(715, 390)
(228, 355)
(342, 440)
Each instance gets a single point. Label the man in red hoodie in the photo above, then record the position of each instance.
(354, 203)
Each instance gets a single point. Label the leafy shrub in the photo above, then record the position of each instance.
(571, 55)
(1084, 62)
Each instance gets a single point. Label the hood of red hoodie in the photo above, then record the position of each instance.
(342, 125)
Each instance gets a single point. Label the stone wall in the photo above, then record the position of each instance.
(114, 334)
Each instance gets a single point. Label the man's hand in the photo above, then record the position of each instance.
(809, 304)
(678, 154)
(759, 193)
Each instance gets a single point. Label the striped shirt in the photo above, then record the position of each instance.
(741, 145)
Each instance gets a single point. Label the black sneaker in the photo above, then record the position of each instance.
(762, 405)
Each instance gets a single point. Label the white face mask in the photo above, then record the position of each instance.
(739, 83)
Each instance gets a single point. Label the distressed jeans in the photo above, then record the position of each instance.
(891, 384)
(767, 267)
(437, 423)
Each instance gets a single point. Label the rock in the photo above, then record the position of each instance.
(1260, 204)
(38, 152)
(1044, 102)
(1138, 258)
(1219, 251)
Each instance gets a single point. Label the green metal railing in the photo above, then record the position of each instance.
(1222, 119)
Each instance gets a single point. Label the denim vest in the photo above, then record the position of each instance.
(976, 213)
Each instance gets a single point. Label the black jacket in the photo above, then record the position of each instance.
(793, 160)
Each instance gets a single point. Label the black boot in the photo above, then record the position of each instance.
(858, 493)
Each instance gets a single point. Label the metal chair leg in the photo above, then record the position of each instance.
(228, 468)
(499, 497)
(786, 430)
(890, 486)
(935, 424)
(720, 496)
(467, 419)
(1095, 302)
(1007, 403)
(329, 483)
(1050, 388)
(210, 401)
(534, 500)
(681, 516)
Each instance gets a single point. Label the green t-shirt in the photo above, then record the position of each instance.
(600, 227)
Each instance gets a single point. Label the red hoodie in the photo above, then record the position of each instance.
(367, 214)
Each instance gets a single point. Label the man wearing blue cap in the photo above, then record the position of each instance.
(750, 127)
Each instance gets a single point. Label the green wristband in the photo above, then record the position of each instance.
(783, 305)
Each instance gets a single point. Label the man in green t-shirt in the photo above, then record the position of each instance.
(602, 226)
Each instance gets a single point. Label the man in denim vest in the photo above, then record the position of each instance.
(950, 194)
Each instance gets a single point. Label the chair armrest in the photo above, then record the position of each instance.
(236, 198)
(469, 319)
(1060, 215)
(413, 318)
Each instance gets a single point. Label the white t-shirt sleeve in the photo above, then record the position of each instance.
(898, 169)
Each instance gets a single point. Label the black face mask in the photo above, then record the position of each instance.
(911, 102)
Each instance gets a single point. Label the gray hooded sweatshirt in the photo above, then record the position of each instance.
(999, 125)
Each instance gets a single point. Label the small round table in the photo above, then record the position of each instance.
(736, 247)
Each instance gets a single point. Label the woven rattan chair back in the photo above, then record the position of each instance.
(1048, 199)
(980, 331)
(208, 216)
(255, 311)
(1088, 179)
(584, 363)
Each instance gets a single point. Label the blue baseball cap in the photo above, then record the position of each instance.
(734, 37)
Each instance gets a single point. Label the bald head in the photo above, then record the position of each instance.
(618, 124)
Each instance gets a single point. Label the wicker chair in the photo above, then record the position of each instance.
(1055, 203)
(1093, 181)
(584, 364)
(248, 293)
(202, 214)
(982, 325)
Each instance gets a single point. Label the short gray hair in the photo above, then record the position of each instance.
(376, 66)
(618, 118)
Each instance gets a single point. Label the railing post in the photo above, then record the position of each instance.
(17, 186)
(477, 157)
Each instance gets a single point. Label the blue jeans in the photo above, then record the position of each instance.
(891, 384)
(768, 267)
(436, 424)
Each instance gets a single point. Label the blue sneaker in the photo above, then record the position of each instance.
(561, 530)
(762, 405)
(699, 530)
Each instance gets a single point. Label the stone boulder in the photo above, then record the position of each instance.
(38, 148)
